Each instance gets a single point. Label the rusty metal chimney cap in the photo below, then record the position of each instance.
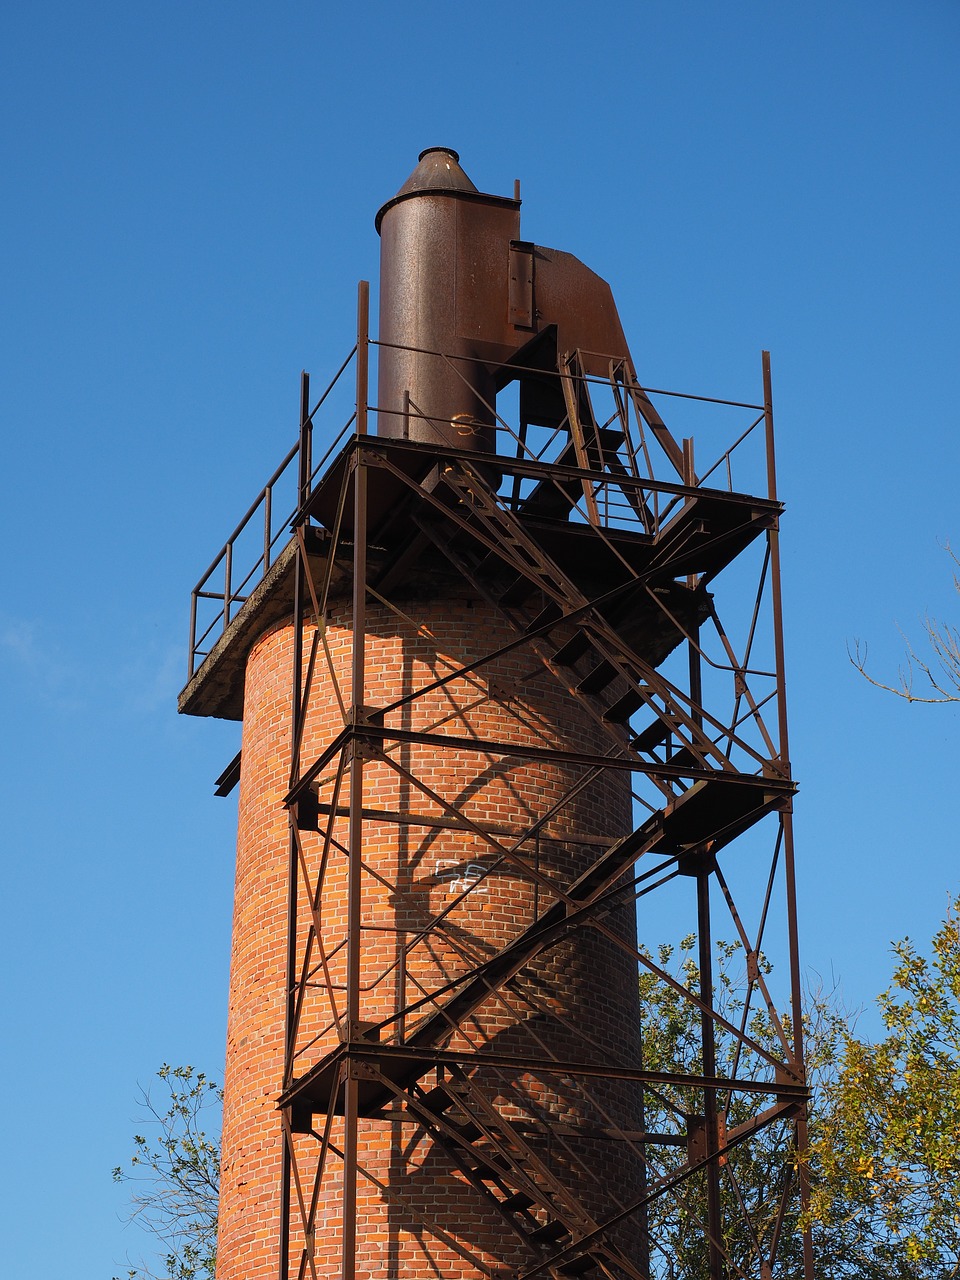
(438, 172)
(446, 151)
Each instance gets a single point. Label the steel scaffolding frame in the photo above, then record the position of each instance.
(599, 570)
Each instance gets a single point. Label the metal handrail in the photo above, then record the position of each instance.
(617, 511)
(273, 532)
(224, 557)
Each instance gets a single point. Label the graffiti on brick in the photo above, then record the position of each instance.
(460, 877)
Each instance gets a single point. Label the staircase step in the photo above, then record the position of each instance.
(578, 1266)
(610, 438)
(598, 678)
(684, 759)
(550, 613)
(556, 499)
(652, 736)
(517, 1202)
(488, 560)
(550, 1231)
(489, 1167)
(575, 648)
(624, 707)
(517, 591)
(468, 1130)
(438, 1100)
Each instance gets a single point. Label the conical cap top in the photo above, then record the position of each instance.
(438, 170)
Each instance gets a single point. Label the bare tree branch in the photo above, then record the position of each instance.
(941, 672)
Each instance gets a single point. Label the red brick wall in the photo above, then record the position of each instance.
(412, 873)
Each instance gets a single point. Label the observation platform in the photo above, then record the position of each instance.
(705, 530)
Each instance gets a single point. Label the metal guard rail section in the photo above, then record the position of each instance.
(219, 584)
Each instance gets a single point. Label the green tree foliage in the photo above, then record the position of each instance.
(884, 1125)
(893, 1144)
(753, 1176)
(175, 1174)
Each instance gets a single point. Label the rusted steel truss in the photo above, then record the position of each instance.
(610, 582)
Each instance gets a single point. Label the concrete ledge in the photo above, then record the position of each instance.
(216, 688)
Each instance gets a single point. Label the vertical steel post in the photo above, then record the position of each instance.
(796, 993)
(305, 460)
(693, 644)
(363, 354)
(297, 699)
(227, 584)
(191, 664)
(774, 539)
(354, 885)
(267, 525)
(716, 1268)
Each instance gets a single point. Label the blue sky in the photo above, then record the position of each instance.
(188, 202)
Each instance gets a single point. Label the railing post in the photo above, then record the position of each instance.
(306, 433)
(363, 354)
(299, 695)
(267, 525)
(786, 817)
(191, 661)
(227, 584)
(355, 842)
(774, 537)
